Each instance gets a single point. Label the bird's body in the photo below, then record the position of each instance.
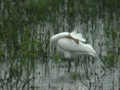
(72, 44)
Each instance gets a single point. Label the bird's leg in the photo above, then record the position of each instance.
(69, 64)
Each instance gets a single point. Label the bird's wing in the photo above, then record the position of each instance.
(78, 36)
(70, 46)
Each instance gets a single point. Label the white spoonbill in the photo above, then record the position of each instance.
(72, 44)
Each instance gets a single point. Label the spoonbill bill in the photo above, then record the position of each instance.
(71, 45)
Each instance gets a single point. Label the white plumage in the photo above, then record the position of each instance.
(72, 44)
(78, 36)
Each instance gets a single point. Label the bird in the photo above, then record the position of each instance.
(72, 44)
